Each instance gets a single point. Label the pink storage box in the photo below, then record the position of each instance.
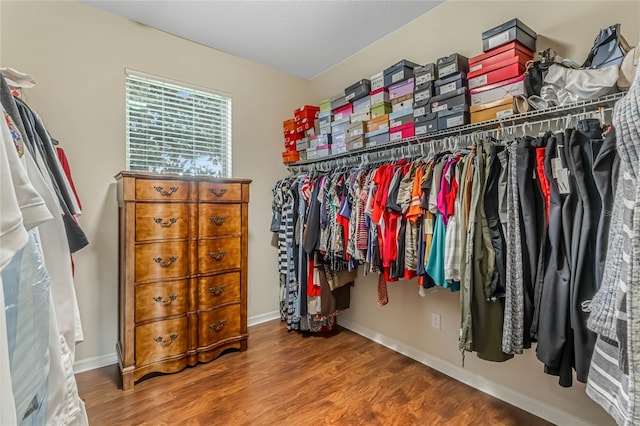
(401, 89)
(380, 95)
(343, 112)
(401, 132)
(500, 90)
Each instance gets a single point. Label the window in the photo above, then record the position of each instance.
(176, 129)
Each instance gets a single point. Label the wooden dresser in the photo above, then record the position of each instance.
(182, 271)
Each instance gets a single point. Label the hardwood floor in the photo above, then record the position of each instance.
(287, 379)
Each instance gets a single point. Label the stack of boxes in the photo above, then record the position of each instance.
(407, 99)
(377, 127)
(451, 99)
(497, 75)
(400, 81)
(424, 120)
(359, 95)
(291, 137)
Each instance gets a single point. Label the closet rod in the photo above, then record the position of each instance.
(505, 123)
(394, 152)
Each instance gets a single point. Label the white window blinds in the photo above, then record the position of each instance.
(177, 130)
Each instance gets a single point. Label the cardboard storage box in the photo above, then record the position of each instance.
(323, 140)
(500, 74)
(362, 105)
(378, 137)
(401, 89)
(380, 109)
(360, 117)
(338, 138)
(423, 95)
(450, 100)
(326, 119)
(522, 60)
(406, 103)
(308, 112)
(425, 74)
(338, 101)
(357, 90)
(311, 154)
(401, 117)
(302, 155)
(323, 151)
(314, 142)
(338, 149)
(499, 108)
(289, 125)
(500, 90)
(401, 132)
(421, 108)
(380, 95)
(302, 144)
(377, 81)
(499, 54)
(427, 123)
(343, 112)
(452, 64)
(457, 116)
(356, 143)
(325, 105)
(325, 129)
(290, 156)
(513, 30)
(399, 71)
(451, 83)
(355, 129)
(340, 126)
(380, 122)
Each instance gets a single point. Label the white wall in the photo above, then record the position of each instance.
(405, 323)
(78, 55)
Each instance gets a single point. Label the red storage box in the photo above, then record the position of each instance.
(289, 125)
(305, 124)
(290, 156)
(309, 112)
(292, 135)
(499, 54)
(401, 132)
(522, 60)
(504, 73)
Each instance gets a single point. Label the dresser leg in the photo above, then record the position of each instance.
(127, 381)
(243, 345)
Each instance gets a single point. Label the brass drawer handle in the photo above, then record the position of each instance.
(217, 256)
(218, 192)
(218, 220)
(218, 327)
(218, 291)
(167, 341)
(166, 224)
(163, 262)
(163, 192)
(168, 301)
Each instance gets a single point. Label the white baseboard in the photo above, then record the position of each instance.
(501, 392)
(259, 319)
(92, 363)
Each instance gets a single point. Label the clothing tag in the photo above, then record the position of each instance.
(556, 165)
(563, 181)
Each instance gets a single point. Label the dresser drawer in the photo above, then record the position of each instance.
(161, 260)
(162, 190)
(161, 339)
(218, 255)
(157, 300)
(157, 221)
(219, 289)
(219, 219)
(219, 324)
(212, 191)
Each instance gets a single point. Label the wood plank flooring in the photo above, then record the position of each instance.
(288, 379)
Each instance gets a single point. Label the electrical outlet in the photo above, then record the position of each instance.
(435, 321)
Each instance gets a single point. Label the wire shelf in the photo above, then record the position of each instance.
(513, 120)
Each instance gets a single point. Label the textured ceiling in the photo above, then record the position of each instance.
(303, 38)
